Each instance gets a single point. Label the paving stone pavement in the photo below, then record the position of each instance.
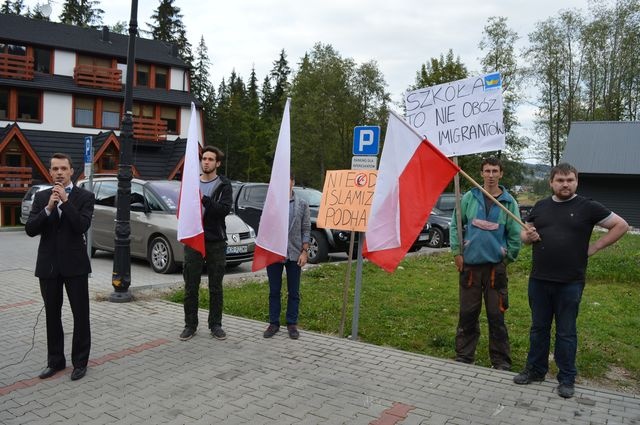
(141, 373)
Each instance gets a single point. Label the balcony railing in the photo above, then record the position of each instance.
(15, 66)
(149, 129)
(98, 77)
(15, 179)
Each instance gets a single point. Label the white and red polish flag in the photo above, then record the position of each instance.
(190, 231)
(273, 233)
(412, 175)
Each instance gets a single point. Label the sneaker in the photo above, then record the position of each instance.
(293, 331)
(187, 334)
(271, 331)
(218, 333)
(527, 376)
(566, 390)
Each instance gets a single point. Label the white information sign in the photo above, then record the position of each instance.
(359, 162)
(462, 117)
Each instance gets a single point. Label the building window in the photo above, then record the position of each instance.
(90, 60)
(42, 60)
(28, 106)
(83, 113)
(142, 75)
(161, 77)
(170, 115)
(110, 114)
(4, 104)
(20, 105)
(143, 111)
(108, 161)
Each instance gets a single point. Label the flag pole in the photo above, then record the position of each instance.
(468, 177)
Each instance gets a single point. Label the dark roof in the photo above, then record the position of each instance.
(604, 147)
(19, 29)
(66, 84)
(153, 161)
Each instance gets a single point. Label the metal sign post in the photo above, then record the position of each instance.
(88, 174)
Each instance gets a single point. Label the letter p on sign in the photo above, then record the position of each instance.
(366, 140)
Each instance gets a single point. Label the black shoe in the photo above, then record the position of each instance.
(218, 333)
(293, 331)
(527, 376)
(78, 373)
(271, 331)
(566, 390)
(502, 367)
(48, 372)
(187, 334)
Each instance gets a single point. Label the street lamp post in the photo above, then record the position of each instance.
(121, 277)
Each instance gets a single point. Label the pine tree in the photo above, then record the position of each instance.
(83, 13)
(18, 7)
(200, 79)
(6, 7)
(167, 26)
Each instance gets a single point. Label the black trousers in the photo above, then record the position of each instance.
(78, 293)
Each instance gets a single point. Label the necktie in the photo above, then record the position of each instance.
(68, 190)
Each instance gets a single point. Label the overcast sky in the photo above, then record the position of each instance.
(400, 35)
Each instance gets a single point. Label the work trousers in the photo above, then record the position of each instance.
(489, 281)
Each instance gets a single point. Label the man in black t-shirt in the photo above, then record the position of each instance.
(560, 229)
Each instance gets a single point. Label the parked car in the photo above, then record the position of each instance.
(248, 202)
(154, 225)
(439, 233)
(446, 203)
(27, 201)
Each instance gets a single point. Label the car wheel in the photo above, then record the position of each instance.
(160, 256)
(318, 248)
(436, 238)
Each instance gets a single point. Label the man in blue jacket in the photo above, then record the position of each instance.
(491, 240)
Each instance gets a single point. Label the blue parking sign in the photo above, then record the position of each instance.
(366, 140)
(87, 150)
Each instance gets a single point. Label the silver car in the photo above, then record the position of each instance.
(154, 225)
(27, 201)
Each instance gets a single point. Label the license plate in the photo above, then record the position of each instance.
(423, 237)
(241, 249)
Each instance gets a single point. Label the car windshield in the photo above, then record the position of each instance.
(168, 191)
(312, 196)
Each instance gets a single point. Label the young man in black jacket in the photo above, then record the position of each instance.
(216, 204)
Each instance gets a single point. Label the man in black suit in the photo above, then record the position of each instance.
(61, 216)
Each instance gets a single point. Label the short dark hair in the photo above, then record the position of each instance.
(492, 160)
(563, 168)
(59, 155)
(218, 152)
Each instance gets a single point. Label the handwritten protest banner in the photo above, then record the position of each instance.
(462, 117)
(346, 199)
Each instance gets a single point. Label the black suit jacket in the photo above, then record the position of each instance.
(63, 249)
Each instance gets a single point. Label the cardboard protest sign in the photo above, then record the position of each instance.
(461, 117)
(346, 199)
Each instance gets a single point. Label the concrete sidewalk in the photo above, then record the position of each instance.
(141, 373)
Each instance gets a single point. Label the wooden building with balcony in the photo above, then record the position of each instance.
(60, 83)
